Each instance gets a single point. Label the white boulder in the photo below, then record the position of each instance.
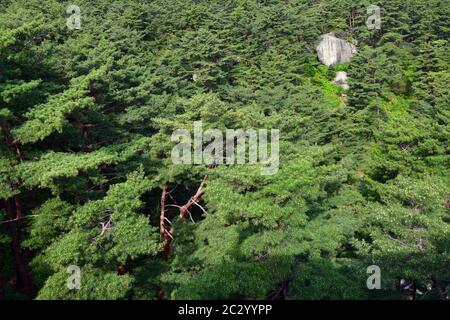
(332, 50)
(341, 79)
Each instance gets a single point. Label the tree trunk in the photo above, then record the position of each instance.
(165, 234)
(23, 276)
(9, 141)
(194, 199)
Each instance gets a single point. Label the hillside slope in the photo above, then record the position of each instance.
(86, 176)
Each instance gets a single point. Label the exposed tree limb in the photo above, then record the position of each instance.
(166, 233)
(194, 199)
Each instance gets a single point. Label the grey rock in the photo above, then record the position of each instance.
(341, 79)
(332, 50)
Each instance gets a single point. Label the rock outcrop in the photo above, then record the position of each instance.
(332, 50)
(341, 79)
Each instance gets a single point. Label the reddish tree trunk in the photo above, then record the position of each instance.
(21, 269)
(14, 225)
(194, 199)
(9, 141)
(165, 234)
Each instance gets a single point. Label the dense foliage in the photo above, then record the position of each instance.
(86, 177)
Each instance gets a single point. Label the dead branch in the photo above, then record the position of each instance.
(194, 199)
(167, 234)
(198, 205)
(106, 226)
(162, 215)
